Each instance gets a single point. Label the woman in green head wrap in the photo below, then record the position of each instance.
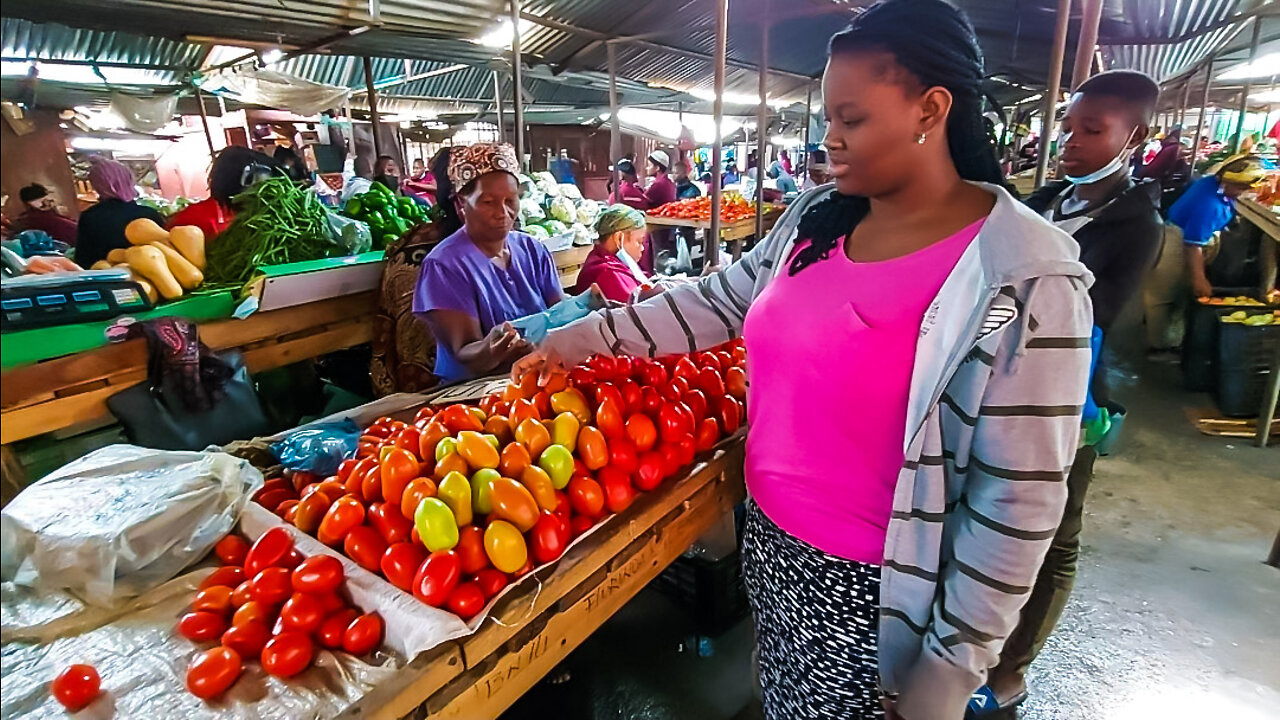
(621, 231)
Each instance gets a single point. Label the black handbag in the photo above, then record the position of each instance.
(155, 415)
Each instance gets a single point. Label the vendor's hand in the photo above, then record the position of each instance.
(545, 363)
(1201, 287)
(890, 709)
(504, 342)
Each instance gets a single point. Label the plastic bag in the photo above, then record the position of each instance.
(352, 234)
(318, 448)
(122, 520)
(534, 328)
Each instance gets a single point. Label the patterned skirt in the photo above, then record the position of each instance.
(816, 617)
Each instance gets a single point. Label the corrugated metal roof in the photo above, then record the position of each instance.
(24, 40)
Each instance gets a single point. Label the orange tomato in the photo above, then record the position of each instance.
(538, 483)
(451, 463)
(522, 410)
(592, 447)
(414, 493)
(514, 503)
(514, 459)
(534, 436)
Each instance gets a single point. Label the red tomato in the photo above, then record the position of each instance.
(581, 377)
(272, 499)
(458, 418)
(287, 654)
(247, 639)
(687, 450)
(254, 611)
(231, 550)
(202, 625)
(332, 603)
(228, 575)
(579, 524)
(696, 401)
(651, 401)
(345, 513)
(586, 497)
(272, 586)
(710, 382)
(214, 599)
(609, 418)
(378, 429)
(563, 508)
(344, 468)
(364, 545)
(623, 366)
(730, 415)
(426, 412)
(470, 549)
(650, 473)
(302, 613)
(407, 439)
(622, 455)
(288, 510)
(642, 431)
(334, 627)
(242, 594)
(213, 671)
(390, 523)
(735, 382)
(268, 550)
(619, 493)
(609, 390)
(437, 577)
(431, 435)
(363, 635)
(317, 575)
(292, 560)
(311, 510)
(466, 600)
(548, 539)
(632, 396)
(684, 369)
(397, 469)
(491, 581)
(401, 562)
(707, 436)
(76, 686)
(652, 374)
(670, 458)
(371, 485)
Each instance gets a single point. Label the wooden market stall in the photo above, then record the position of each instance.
(735, 234)
(1268, 221)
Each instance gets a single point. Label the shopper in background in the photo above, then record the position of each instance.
(233, 169)
(786, 184)
(291, 164)
(1116, 222)
(387, 171)
(41, 213)
(484, 274)
(685, 187)
(619, 229)
(816, 171)
(404, 350)
(101, 227)
(421, 184)
(628, 191)
(889, 546)
(1191, 244)
(660, 190)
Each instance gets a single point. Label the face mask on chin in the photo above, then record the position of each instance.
(1119, 161)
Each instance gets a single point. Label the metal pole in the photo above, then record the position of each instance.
(615, 129)
(808, 120)
(1248, 85)
(1087, 42)
(762, 129)
(497, 99)
(373, 109)
(1182, 107)
(711, 243)
(1056, 55)
(517, 77)
(204, 120)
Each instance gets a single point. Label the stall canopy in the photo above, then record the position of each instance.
(664, 48)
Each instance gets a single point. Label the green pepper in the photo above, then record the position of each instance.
(353, 207)
(402, 225)
(374, 200)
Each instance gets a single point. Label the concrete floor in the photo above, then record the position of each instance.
(1174, 615)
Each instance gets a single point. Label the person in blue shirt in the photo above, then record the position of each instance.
(1191, 242)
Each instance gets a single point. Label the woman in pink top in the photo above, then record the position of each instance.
(619, 229)
(917, 349)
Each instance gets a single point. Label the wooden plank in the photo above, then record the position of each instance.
(32, 420)
(340, 337)
(515, 671)
(1261, 216)
(264, 326)
(393, 700)
(571, 257)
(31, 383)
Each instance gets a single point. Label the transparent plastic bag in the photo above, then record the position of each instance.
(122, 520)
(350, 233)
(318, 448)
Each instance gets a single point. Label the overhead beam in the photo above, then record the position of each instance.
(1264, 11)
(384, 84)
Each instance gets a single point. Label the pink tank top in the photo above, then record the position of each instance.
(830, 353)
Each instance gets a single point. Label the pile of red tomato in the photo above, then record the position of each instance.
(456, 504)
(270, 604)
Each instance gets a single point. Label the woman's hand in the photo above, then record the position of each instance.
(504, 344)
(543, 362)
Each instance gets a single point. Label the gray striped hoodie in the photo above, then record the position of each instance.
(992, 423)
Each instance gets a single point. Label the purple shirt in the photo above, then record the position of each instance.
(457, 276)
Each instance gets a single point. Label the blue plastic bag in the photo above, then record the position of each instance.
(318, 448)
(534, 328)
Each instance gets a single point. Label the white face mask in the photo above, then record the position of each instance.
(1107, 170)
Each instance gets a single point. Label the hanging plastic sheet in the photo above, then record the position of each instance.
(263, 86)
(145, 114)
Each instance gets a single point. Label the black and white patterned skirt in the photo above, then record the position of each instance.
(816, 617)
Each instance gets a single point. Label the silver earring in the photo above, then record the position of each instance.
(920, 139)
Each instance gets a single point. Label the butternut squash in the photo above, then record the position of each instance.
(101, 265)
(144, 231)
(150, 263)
(184, 272)
(189, 240)
(115, 257)
(147, 288)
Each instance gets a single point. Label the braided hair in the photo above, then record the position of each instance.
(934, 42)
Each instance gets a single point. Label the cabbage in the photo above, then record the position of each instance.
(583, 235)
(537, 231)
(546, 182)
(587, 212)
(562, 209)
(555, 227)
(527, 186)
(570, 191)
(530, 211)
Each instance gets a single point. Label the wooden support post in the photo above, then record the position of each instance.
(762, 129)
(517, 81)
(1057, 53)
(204, 120)
(497, 100)
(711, 243)
(1248, 85)
(373, 110)
(615, 129)
(1086, 42)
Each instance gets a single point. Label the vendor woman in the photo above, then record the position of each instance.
(620, 230)
(485, 274)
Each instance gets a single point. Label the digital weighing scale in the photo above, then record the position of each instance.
(36, 301)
